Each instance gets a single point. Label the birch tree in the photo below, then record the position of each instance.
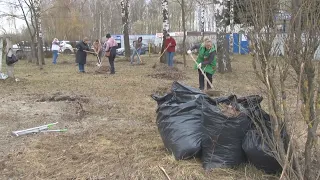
(125, 17)
(182, 4)
(165, 27)
(202, 11)
(231, 41)
(1, 50)
(224, 64)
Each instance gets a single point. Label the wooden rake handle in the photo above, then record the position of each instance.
(163, 52)
(204, 74)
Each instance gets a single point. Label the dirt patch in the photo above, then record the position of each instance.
(77, 100)
(103, 70)
(164, 72)
(62, 97)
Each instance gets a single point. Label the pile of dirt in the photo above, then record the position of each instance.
(103, 70)
(165, 72)
(61, 97)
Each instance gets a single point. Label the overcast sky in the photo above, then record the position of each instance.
(6, 23)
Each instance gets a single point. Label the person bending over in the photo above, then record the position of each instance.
(81, 55)
(206, 60)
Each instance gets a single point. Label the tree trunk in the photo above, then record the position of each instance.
(224, 64)
(202, 11)
(1, 50)
(231, 29)
(37, 4)
(125, 16)
(165, 26)
(32, 56)
(183, 13)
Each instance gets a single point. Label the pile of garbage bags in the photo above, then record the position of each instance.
(220, 131)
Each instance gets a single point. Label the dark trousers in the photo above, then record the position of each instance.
(202, 80)
(111, 61)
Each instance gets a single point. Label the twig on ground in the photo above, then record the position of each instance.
(164, 172)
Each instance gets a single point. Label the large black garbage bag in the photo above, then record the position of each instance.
(184, 93)
(259, 153)
(180, 93)
(257, 115)
(179, 125)
(222, 139)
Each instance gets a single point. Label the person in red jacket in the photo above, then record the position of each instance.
(170, 44)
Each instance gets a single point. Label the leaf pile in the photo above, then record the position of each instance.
(165, 72)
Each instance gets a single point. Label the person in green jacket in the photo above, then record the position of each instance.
(206, 61)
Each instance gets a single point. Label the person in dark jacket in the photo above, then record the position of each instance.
(206, 61)
(81, 56)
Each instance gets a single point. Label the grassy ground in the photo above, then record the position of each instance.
(111, 126)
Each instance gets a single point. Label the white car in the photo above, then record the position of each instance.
(66, 48)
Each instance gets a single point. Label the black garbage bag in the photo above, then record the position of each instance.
(184, 93)
(179, 125)
(180, 93)
(222, 137)
(259, 153)
(255, 112)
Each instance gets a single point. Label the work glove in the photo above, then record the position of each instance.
(199, 65)
(189, 51)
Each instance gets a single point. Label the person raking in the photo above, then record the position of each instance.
(170, 45)
(137, 50)
(97, 47)
(206, 61)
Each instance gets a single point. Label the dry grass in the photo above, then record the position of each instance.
(117, 138)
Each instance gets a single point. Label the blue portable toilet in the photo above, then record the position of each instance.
(244, 44)
(236, 42)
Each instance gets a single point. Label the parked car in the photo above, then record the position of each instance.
(66, 47)
(23, 49)
(144, 50)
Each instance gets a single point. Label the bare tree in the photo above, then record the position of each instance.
(125, 18)
(165, 26)
(183, 14)
(224, 64)
(36, 8)
(231, 41)
(275, 55)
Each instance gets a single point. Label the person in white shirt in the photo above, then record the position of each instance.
(55, 50)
